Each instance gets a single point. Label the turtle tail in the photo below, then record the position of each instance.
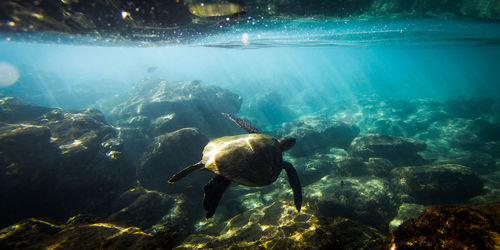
(181, 174)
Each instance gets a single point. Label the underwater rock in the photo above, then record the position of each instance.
(14, 110)
(468, 108)
(65, 156)
(492, 148)
(357, 166)
(379, 167)
(406, 211)
(312, 168)
(268, 109)
(352, 166)
(135, 143)
(437, 184)
(468, 134)
(280, 226)
(79, 134)
(389, 127)
(491, 189)
(400, 151)
(454, 140)
(174, 105)
(479, 162)
(152, 210)
(449, 227)
(81, 232)
(368, 199)
(168, 154)
(319, 135)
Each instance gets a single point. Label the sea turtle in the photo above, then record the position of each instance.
(252, 159)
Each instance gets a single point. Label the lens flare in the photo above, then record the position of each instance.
(9, 74)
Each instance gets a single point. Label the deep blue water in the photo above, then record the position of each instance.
(308, 62)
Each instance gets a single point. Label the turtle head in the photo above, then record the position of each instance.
(286, 143)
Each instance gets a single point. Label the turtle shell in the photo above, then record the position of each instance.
(250, 159)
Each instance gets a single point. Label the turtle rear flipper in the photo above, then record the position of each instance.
(181, 174)
(243, 124)
(213, 193)
(293, 178)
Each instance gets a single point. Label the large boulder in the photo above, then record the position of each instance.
(168, 154)
(168, 106)
(151, 211)
(267, 107)
(399, 150)
(437, 184)
(463, 133)
(368, 199)
(357, 166)
(81, 232)
(448, 227)
(14, 110)
(406, 211)
(318, 135)
(279, 226)
(59, 163)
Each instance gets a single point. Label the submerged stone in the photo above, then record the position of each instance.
(406, 211)
(73, 157)
(14, 110)
(168, 154)
(318, 135)
(174, 105)
(150, 210)
(368, 199)
(449, 227)
(437, 184)
(279, 226)
(399, 150)
(81, 233)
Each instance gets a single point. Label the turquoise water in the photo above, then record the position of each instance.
(330, 59)
(433, 80)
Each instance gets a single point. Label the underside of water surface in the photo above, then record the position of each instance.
(394, 105)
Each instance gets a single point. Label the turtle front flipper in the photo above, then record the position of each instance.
(243, 124)
(293, 178)
(213, 193)
(181, 174)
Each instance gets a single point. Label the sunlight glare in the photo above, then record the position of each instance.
(9, 74)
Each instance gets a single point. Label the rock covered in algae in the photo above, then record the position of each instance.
(168, 154)
(431, 184)
(366, 199)
(13, 110)
(319, 135)
(70, 156)
(170, 106)
(450, 227)
(151, 210)
(81, 232)
(357, 166)
(406, 211)
(279, 226)
(399, 150)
